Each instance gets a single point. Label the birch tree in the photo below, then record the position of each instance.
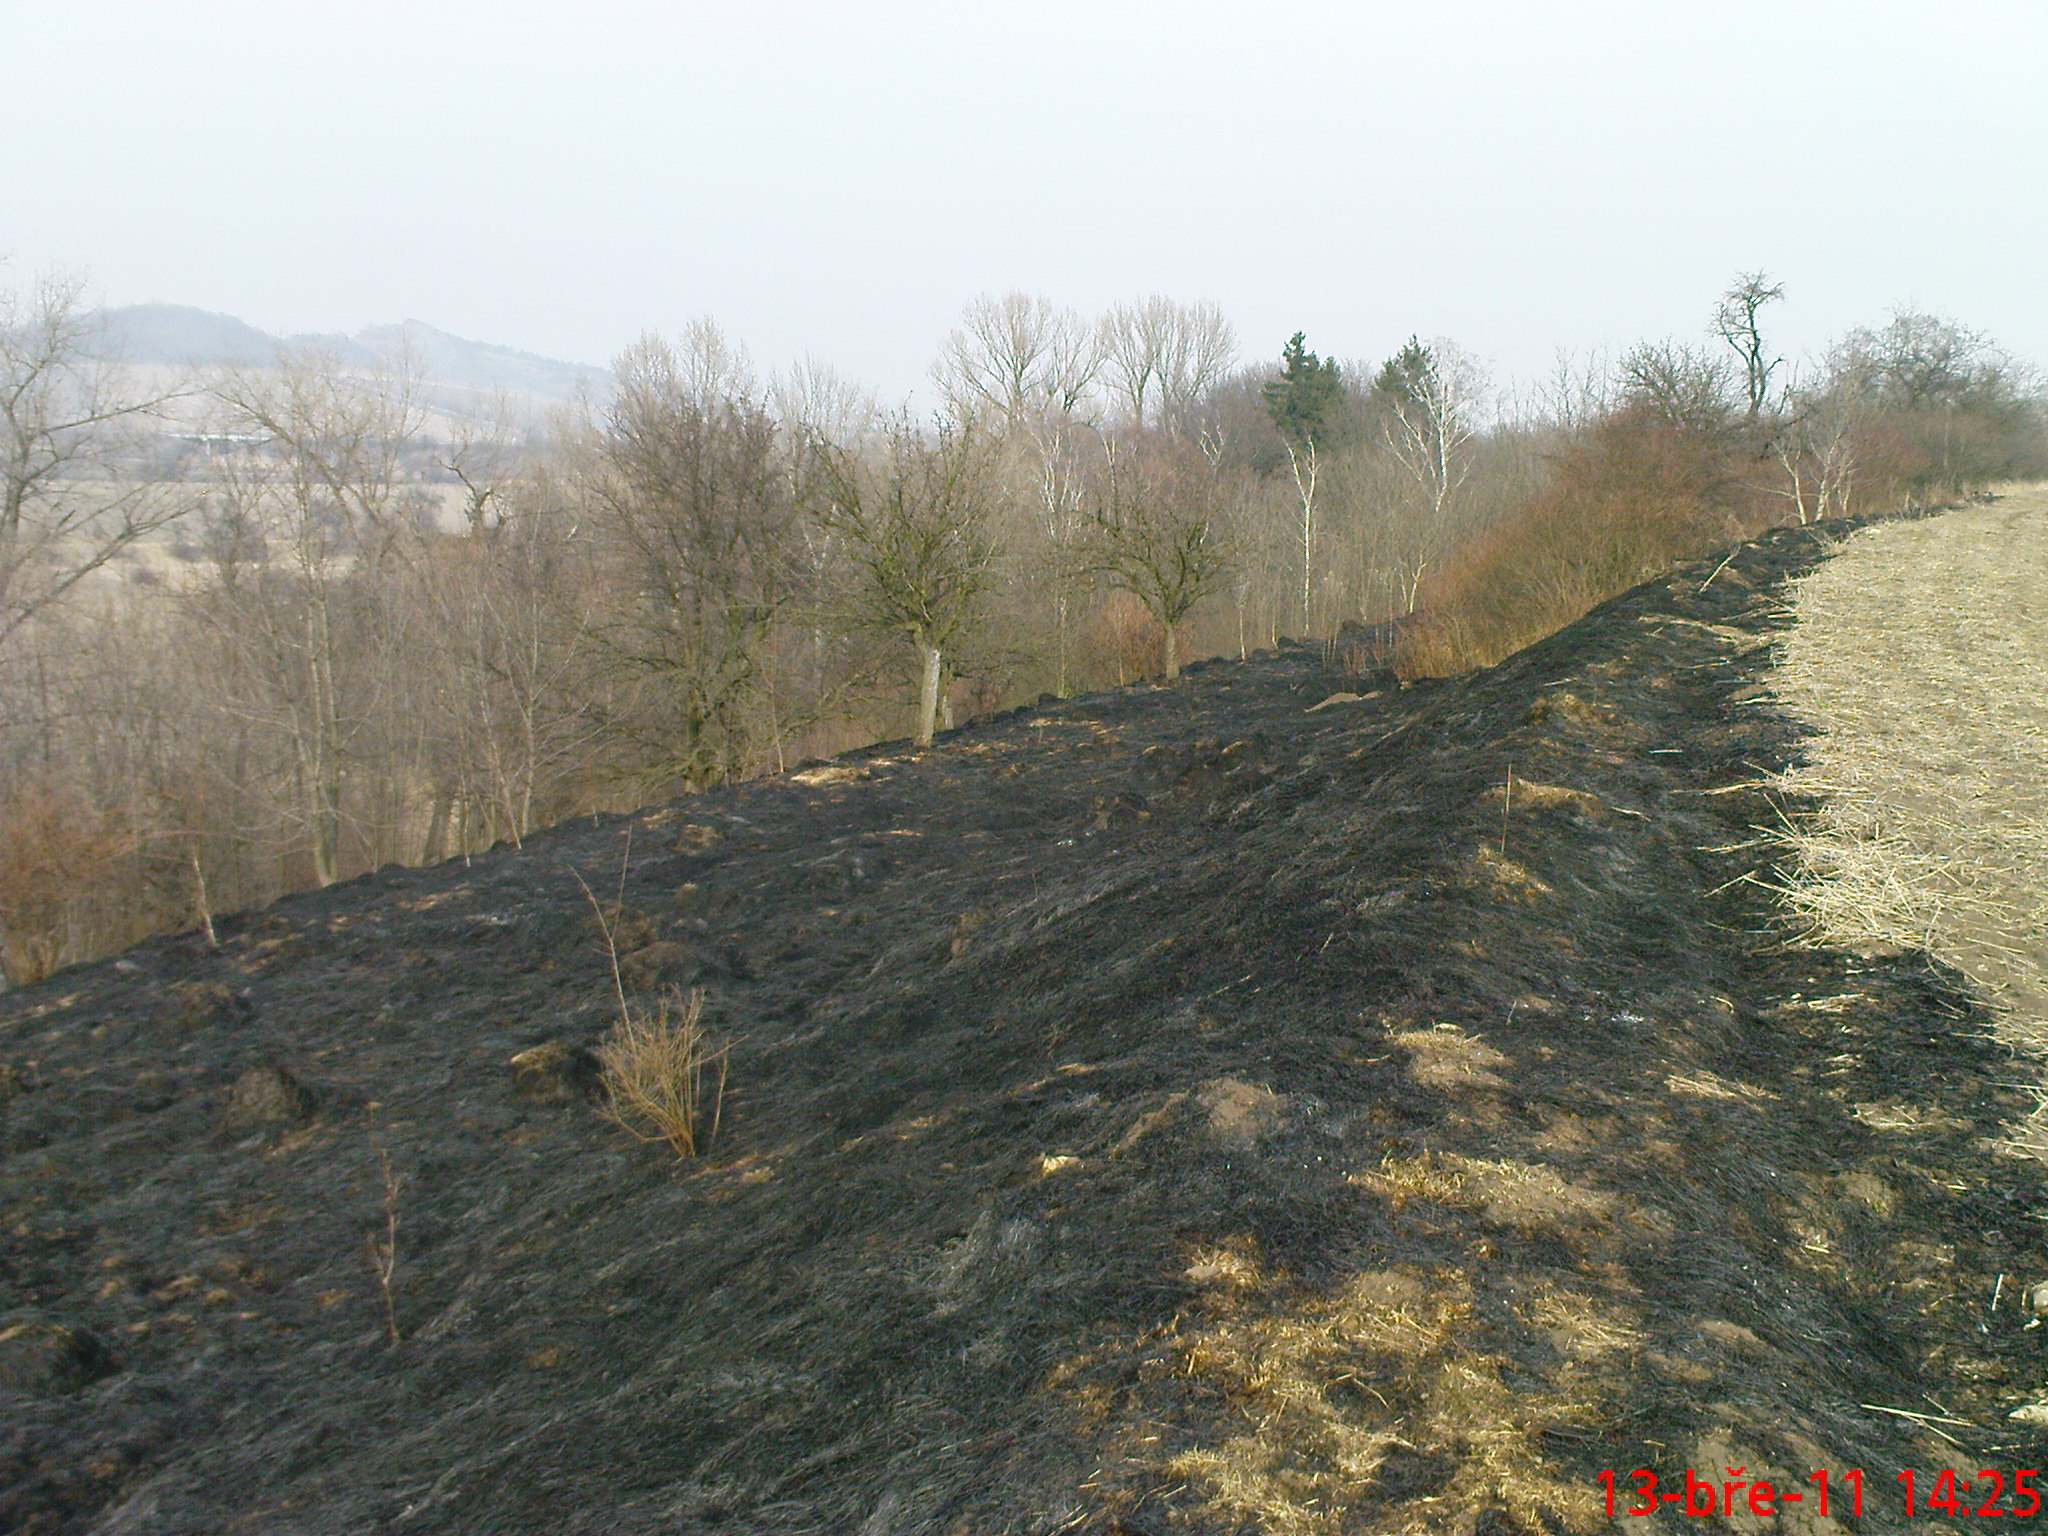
(1022, 369)
(1302, 401)
(309, 516)
(1429, 399)
(513, 606)
(1819, 441)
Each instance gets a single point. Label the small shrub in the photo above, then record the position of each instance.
(657, 1066)
(1126, 638)
(56, 846)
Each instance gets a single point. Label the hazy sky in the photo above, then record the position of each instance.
(837, 177)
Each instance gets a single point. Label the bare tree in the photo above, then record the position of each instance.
(1919, 361)
(1059, 447)
(913, 518)
(1960, 414)
(1021, 370)
(76, 487)
(814, 400)
(1384, 541)
(309, 515)
(1735, 322)
(337, 437)
(483, 452)
(690, 481)
(1158, 528)
(513, 607)
(1020, 358)
(1680, 387)
(1816, 448)
(1160, 357)
(1574, 396)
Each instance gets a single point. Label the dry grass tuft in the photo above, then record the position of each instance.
(1708, 1085)
(1504, 879)
(1227, 1266)
(1583, 1326)
(656, 1065)
(830, 773)
(1520, 795)
(1920, 654)
(1534, 1197)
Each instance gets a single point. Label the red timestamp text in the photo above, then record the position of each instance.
(1990, 1493)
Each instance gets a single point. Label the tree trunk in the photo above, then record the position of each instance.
(1172, 651)
(928, 693)
(327, 831)
(1059, 631)
(201, 902)
(433, 846)
(1305, 490)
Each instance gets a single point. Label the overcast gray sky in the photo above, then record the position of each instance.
(837, 177)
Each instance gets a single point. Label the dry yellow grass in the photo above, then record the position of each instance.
(1921, 654)
(656, 1071)
(655, 1064)
(1335, 1390)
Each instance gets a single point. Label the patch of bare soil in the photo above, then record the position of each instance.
(1169, 1110)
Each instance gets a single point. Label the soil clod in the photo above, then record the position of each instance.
(39, 1357)
(270, 1095)
(556, 1072)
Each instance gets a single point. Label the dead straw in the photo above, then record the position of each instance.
(1917, 657)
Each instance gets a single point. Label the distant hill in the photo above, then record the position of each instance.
(176, 335)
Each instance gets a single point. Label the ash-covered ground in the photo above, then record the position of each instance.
(1168, 1110)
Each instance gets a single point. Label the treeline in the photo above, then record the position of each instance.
(324, 626)
(1683, 449)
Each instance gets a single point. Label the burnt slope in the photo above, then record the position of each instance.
(1163, 1110)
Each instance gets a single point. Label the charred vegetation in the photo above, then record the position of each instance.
(1179, 1109)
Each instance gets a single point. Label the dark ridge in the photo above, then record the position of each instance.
(1094, 1077)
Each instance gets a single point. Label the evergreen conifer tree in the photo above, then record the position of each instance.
(1303, 400)
(1303, 404)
